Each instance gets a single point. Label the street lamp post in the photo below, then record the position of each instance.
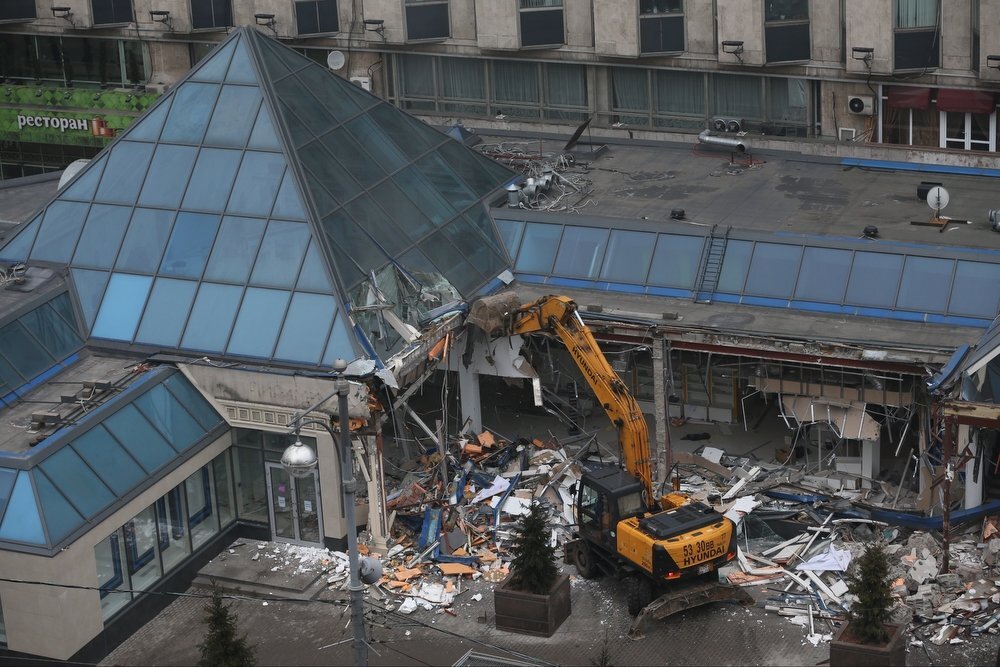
(299, 460)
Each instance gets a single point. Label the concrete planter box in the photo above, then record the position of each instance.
(530, 614)
(843, 653)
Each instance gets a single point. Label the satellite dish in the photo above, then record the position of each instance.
(335, 60)
(937, 198)
(72, 170)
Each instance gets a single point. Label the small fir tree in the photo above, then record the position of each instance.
(870, 583)
(222, 645)
(533, 569)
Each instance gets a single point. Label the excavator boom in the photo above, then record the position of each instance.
(558, 315)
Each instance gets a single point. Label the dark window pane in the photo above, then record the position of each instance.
(193, 401)
(212, 317)
(510, 233)
(59, 231)
(118, 470)
(78, 482)
(539, 248)
(211, 13)
(235, 249)
(190, 243)
(628, 256)
(676, 260)
(144, 241)
(102, 234)
(925, 285)
(823, 276)
(446, 181)
(427, 21)
(60, 517)
(542, 28)
(17, 9)
(138, 436)
(661, 34)
(55, 334)
(166, 312)
(355, 252)
(787, 43)
(353, 156)
(916, 49)
(370, 217)
(381, 149)
(164, 411)
(316, 16)
(773, 270)
(581, 252)
(422, 193)
(874, 278)
(24, 352)
(112, 11)
(259, 321)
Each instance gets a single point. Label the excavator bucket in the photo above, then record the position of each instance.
(681, 598)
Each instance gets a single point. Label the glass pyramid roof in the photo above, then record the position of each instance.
(249, 211)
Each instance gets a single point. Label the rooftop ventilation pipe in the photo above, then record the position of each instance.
(735, 144)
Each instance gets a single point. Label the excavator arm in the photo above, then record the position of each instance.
(557, 315)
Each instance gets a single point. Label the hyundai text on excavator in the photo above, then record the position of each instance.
(624, 528)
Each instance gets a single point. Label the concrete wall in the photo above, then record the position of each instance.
(57, 622)
(869, 24)
(956, 35)
(497, 24)
(989, 39)
(699, 28)
(742, 20)
(390, 11)
(825, 31)
(463, 20)
(616, 28)
(579, 21)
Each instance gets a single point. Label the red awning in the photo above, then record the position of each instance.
(968, 101)
(909, 97)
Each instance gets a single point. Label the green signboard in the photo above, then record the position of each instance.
(81, 116)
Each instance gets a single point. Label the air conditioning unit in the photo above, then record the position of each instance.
(364, 82)
(727, 125)
(861, 105)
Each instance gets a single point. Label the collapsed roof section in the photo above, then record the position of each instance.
(258, 203)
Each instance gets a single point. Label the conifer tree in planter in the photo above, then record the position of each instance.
(535, 598)
(868, 638)
(223, 646)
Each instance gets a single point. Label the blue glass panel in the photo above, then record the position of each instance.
(339, 345)
(280, 254)
(161, 408)
(148, 127)
(256, 184)
(212, 317)
(675, 260)
(168, 176)
(426, 198)
(85, 184)
(381, 148)
(125, 172)
(353, 250)
(446, 181)
(234, 116)
(214, 67)
(23, 351)
(968, 293)
(235, 249)
(258, 323)
(112, 464)
(734, 266)
(55, 334)
(370, 217)
(7, 477)
(539, 248)
(17, 248)
(874, 278)
(313, 275)
(188, 118)
(353, 157)
(122, 305)
(59, 232)
(263, 135)
(581, 252)
(21, 521)
(89, 290)
(510, 233)
(823, 276)
(450, 262)
(190, 243)
(144, 241)
(102, 234)
(240, 69)
(926, 284)
(139, 438)
(773, 269)
(414, 141)
(166, 313)
(213, 177)
(288, 204)
(78, 483)
(329, 173)
(628, 256)
(306, 328)
(340, 101)
(467, 235)
(195, 403)
(399, 209)
(60, 517)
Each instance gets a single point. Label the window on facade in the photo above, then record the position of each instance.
(172, 522)
(224, 488)
(112, 11)
(73, 59)
(211, 14)
(110, 557)
(916, 41)
(786, 30)
(427, 19)
(3, 626)
(17, 10)
(142, 549)
(203, 519)
(316, 16)
(542, 23)
(661, 26)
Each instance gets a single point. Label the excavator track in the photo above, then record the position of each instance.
(682, 597)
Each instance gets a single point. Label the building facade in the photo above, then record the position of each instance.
(921, 74)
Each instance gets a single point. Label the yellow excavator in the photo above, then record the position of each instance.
(623, 527)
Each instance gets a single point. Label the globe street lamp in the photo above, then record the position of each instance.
(299, 460)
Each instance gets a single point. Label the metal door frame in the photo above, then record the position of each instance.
(294, 500)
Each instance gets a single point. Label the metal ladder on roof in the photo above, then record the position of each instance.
(710, 267)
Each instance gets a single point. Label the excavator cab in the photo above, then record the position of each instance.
(605, 497)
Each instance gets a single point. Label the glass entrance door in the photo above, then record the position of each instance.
(293, 504)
